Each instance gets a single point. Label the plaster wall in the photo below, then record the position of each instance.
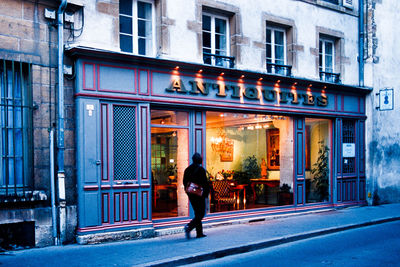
(181, 31)
(383, 127)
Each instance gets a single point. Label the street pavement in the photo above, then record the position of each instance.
(174, 250)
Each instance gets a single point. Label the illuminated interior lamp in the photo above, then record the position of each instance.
(250, 127)
(200, 70)
(177, 67)
(241, 77)
(265, 126)
(258, 126)
(222, 73)
(260, 79)
(162, 121)
(222, 115)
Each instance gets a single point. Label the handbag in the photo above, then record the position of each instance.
(194, 189)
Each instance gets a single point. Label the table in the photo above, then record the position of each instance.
(237, 189)
(162, 187)
(267, 182)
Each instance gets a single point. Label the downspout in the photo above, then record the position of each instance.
(60, 124)
(53, 191)
(361, 34)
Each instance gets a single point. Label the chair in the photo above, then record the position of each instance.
(223, 195)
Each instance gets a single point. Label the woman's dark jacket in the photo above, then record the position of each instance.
(195, 173)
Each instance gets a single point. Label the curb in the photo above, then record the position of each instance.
(181, 260)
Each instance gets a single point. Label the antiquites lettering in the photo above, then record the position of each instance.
(249, 93)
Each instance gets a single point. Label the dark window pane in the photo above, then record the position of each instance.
(125, 7)
(220, 42)
(144, 10)
(268, 36)
(269, 48)
(142, 46)
(206, 39)
(279, 37)
(206, 23)
(220, 26)
(141, 28)
(125, 43)
(125, 25)
(279, 53)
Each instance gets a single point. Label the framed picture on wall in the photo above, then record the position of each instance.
(273, 153)
(226, 155)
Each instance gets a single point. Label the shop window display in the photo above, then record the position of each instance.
(318, 148)
(249, 159)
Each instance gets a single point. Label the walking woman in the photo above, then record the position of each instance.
(195, 176)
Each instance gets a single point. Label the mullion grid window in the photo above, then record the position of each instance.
(276, 40)
(215, 39)
(137, 27)
(326, 56)
(16, 125)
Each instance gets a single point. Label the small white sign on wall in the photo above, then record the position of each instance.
(386, 99)
(349, 150)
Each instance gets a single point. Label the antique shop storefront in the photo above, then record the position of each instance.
(270, 144)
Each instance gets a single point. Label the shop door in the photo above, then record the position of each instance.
(125, 183)
(299, 160)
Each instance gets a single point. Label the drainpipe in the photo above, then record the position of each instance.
(60, 125)
(361, 42)
(53, 191)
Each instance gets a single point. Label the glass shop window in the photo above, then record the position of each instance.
(249, 160)
(318, 149)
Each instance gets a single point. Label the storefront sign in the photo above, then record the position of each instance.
(386, 99)
(250, 93)
(349, 150)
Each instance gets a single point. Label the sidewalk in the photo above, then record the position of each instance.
(175, 250)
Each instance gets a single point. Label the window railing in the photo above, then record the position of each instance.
(219, 60)
(329, 77)
(332, 1)
(285, 70)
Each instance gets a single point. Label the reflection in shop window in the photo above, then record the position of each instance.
(169, 158)
(249, 158)
(318, 146)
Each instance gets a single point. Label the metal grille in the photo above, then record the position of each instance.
(124, 142)
(16, 131)
(348, 137)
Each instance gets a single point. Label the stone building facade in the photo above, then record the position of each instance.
(315, 46)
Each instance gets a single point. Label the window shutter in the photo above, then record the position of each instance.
(348, 3)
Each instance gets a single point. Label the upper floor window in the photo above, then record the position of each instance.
(136, 27)
(216, 41)
(327, 61)
(16, 129)
(276, 51)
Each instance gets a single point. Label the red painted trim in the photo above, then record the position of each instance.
(134, 196)
(125, 196)
(115, 208)
(90, 187)
(212, 105)
(144, 150)
(116, 91)
(112, 226)
(108, 208)
(84, 77)
(147, 206)
(107, 176)
(147, 93)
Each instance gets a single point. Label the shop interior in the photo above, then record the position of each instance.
(249, 161)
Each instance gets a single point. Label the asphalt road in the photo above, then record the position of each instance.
(377, 245)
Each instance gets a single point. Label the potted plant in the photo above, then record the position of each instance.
(284, 195)
(320, 171)
(253, 170)
(171, 172)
